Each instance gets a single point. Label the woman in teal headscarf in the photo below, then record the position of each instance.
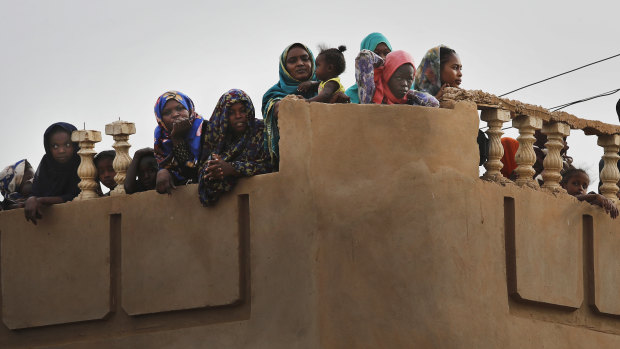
(380, 45)
(296, 66)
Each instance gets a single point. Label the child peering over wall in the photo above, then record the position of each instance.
(56, 180)
(105, 170)
(389, 81)
(16, 184)
(576, 182)
(142, 172)
(177, 141)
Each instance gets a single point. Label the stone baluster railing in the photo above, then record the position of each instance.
(526, 157)
(495, 119)
(553, 163)
(610, 174)
(87, 170)
(120, 131)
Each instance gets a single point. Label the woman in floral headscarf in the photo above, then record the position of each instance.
(16, 184)
(177, 140)
(233, 145)
(440, 68)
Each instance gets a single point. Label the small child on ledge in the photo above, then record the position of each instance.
(105, 170)
(330, 63)
(576, 182)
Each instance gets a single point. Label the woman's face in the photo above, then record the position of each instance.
(451, 71)
(400, 82)
(61, 146)
(238, 118)
(298, 64)
(382, 50)
(172, 111)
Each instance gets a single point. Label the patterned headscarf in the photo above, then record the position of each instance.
(428, 75)
(11, 179)
(245, 153)
(163, 143)
(370, 43)
(393, 61)
(286, 86)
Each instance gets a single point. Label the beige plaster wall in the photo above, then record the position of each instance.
(376, 232)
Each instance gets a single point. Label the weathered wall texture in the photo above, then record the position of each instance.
(376, 233)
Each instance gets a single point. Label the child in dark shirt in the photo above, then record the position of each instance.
(142, 172)
(105, 169)
(576, 182)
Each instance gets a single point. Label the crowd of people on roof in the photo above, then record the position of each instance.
(233, 143)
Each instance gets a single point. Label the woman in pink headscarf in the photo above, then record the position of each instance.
(389, 81)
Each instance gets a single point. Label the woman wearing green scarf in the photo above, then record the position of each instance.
(296, 66)
(380, 45)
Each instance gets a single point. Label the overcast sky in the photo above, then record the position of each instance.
(96, 61)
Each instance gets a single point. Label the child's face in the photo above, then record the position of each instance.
(172, 111)
(238, 118)
(26, 186)
(106, 173)
(451, 71)
(382, 50)
(400, 82)
(577, 184)
(61, 147)
(323, 70)
(298, 64)
(147, 172)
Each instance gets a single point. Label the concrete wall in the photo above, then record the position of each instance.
(376, 233)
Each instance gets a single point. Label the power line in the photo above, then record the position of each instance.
(555, 76)
(562, 106)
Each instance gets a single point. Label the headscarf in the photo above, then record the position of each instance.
(245, 152)
(428, 75)
(286, 86)
(511, 146)
(370, 43)
(11, 179)
(382, 75)
(163, 143)
(53, 178)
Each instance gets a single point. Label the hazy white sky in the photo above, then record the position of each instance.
(96, 61)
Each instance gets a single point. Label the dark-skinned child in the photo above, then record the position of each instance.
(576, 182)
(56, 179)
(16, 184)
(105, 169)
(330, 63)
(177, 141)
(142, 172)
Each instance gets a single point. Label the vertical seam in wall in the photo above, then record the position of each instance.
(510, 244)
(588, 260)
(243, 208)
(115, 263)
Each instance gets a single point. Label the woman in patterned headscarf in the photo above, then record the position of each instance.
(16, 184)
(177, 140)
(233, 145)
(440, 68)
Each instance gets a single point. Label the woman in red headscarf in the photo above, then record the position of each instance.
(389, 81)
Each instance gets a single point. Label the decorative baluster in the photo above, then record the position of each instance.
(495, 118)
(87, 170)
(610, 174)
(553, 164)
(120, 131)
(526, 157)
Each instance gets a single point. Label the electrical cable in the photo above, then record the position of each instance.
(555, 76)
(562, 106)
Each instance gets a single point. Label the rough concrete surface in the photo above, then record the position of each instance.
(376, 233)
